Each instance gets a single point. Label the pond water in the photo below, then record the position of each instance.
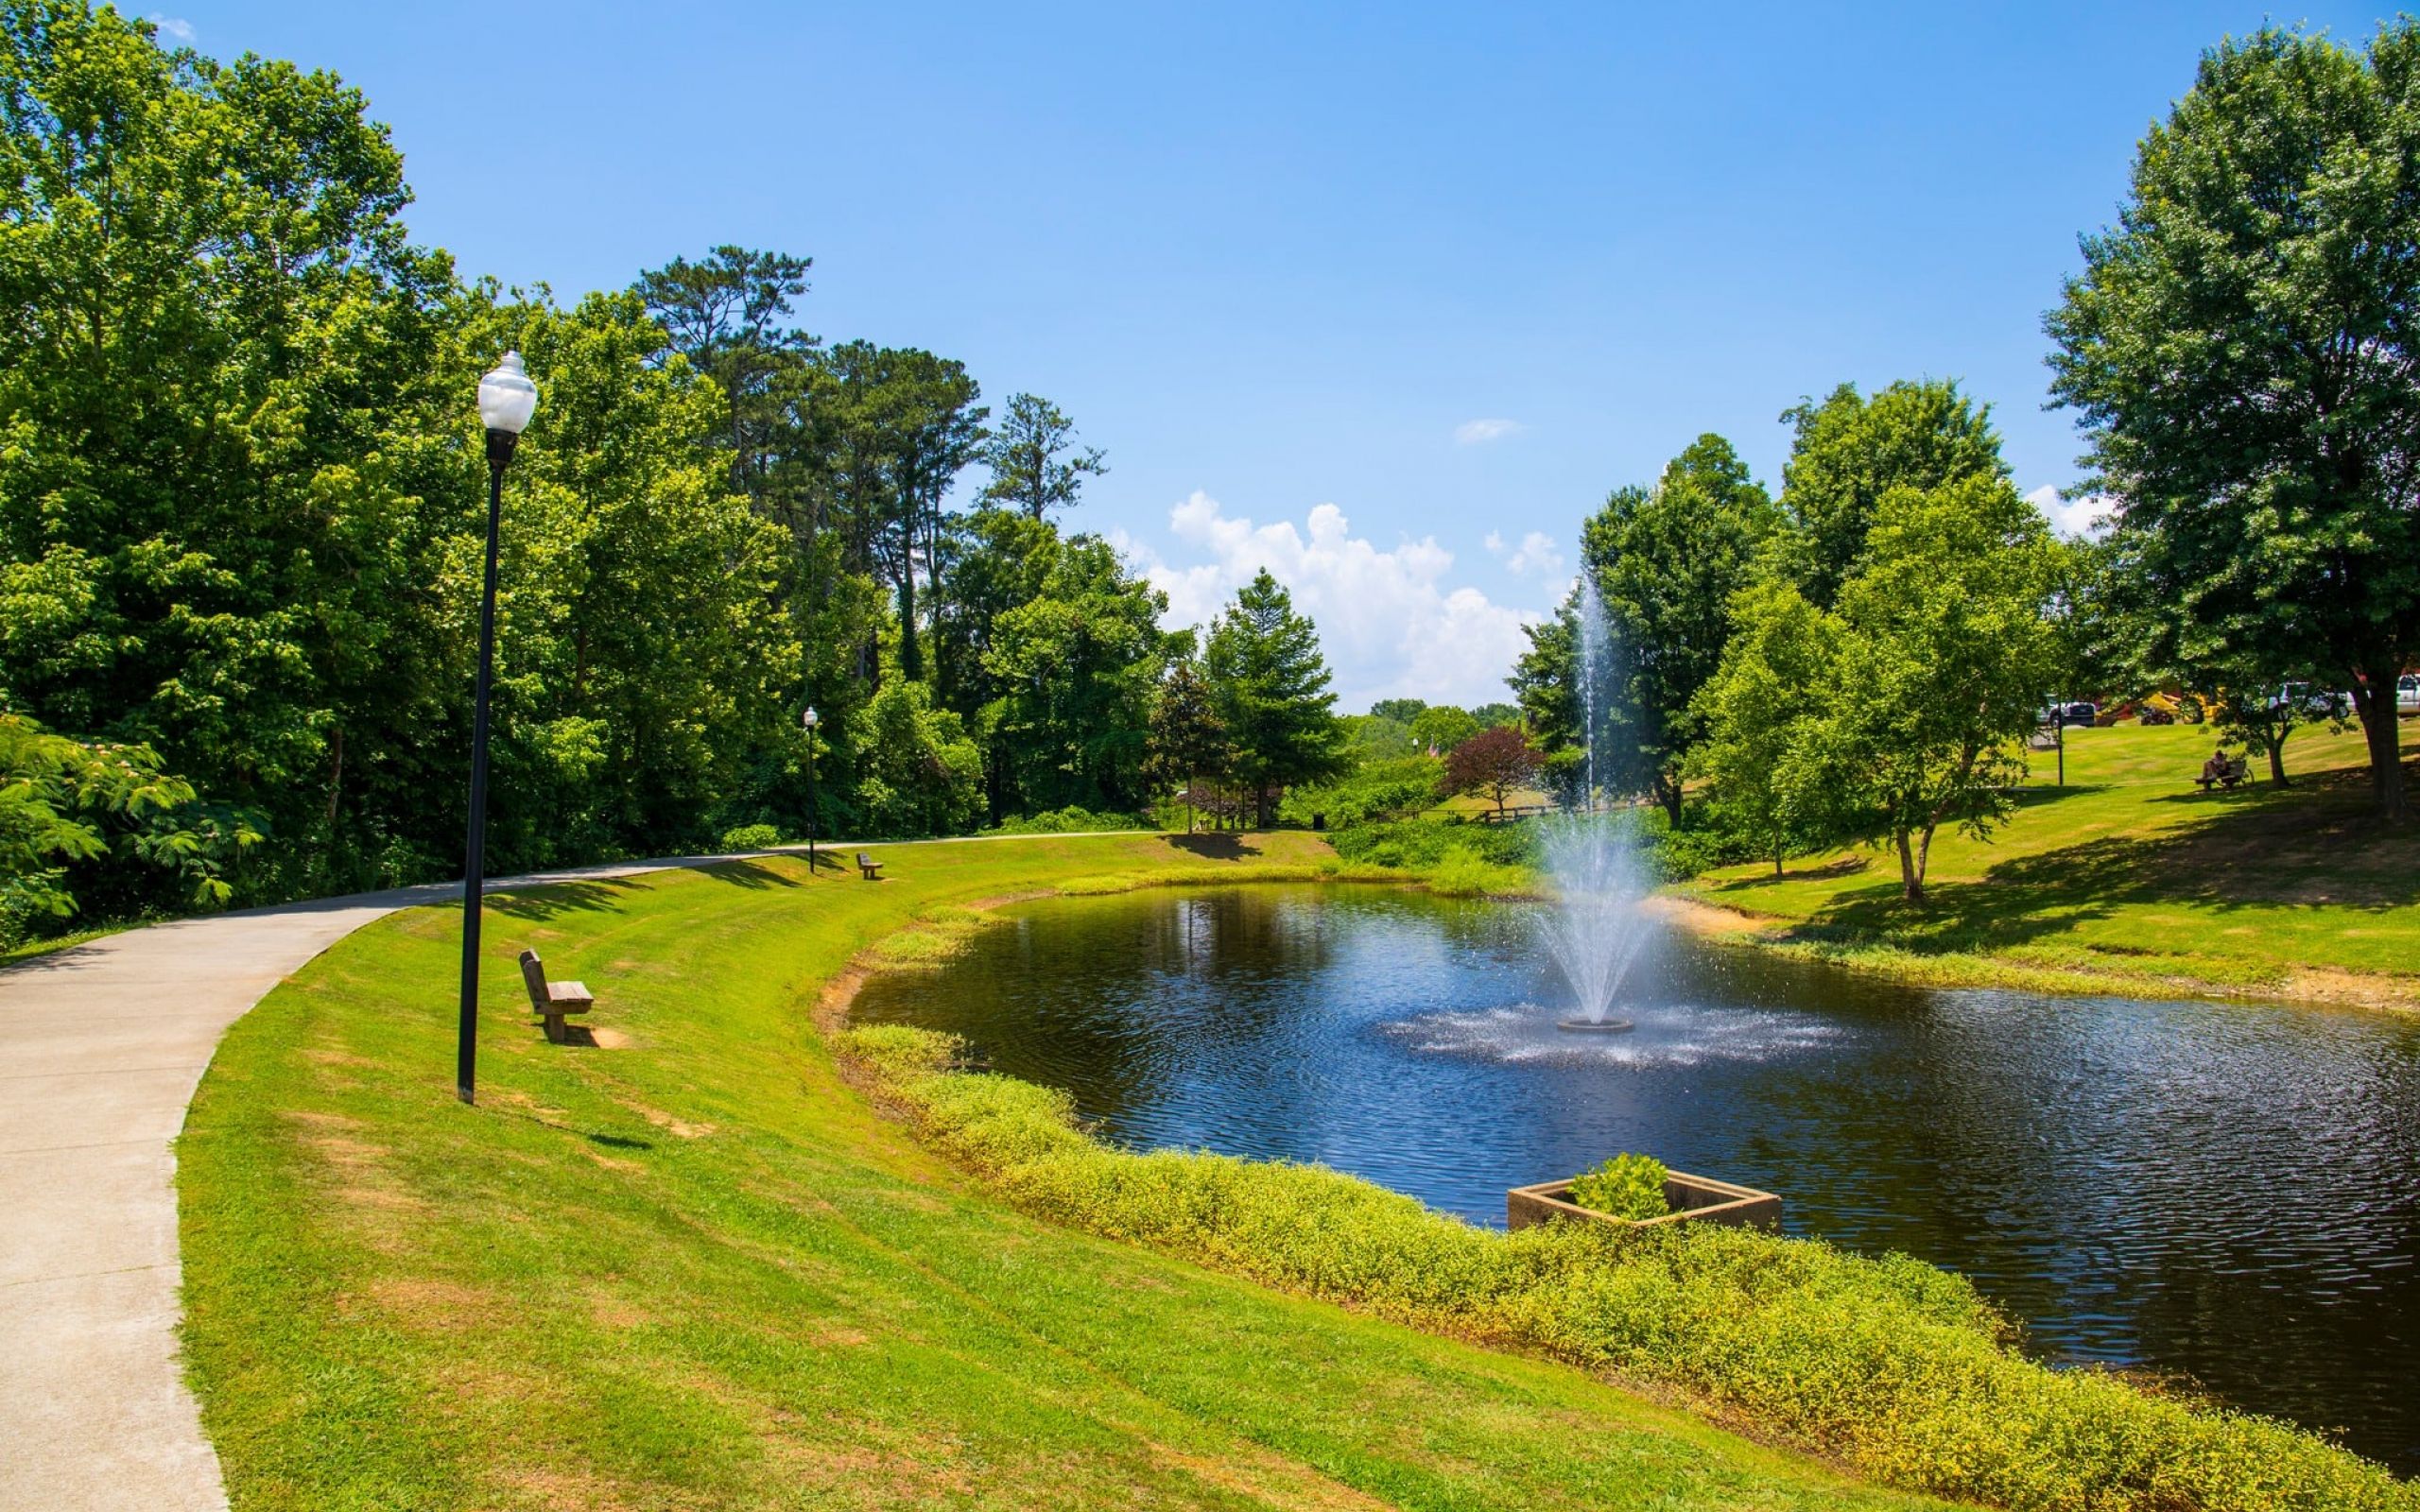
(2228, 1191)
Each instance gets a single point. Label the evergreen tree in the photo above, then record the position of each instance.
(1023, 453)
(1272, 685)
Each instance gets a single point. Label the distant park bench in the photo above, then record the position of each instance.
(868, 867)
(2229, 775)
(552, 1000)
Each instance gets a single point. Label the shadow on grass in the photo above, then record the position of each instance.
(2315, 845)
(1215, 846)
(758, 876)
(555, 899)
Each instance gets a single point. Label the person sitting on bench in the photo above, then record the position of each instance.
(2222, 770)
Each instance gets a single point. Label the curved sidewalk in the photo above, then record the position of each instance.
(101, 1046)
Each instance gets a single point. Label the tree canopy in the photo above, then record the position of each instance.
(2240, 349)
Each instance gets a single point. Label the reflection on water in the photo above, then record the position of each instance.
(2230, 1191)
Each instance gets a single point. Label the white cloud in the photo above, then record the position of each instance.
(1478, 432)
(176, 28)
(2072, 518)
(1389, 623)
(1536, 553)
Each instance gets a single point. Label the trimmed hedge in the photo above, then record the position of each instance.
(1896, 1367)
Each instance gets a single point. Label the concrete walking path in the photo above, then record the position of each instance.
(101, 1046)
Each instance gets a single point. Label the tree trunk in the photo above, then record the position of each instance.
(2277, 762)
(1668, 792)
(1911, 872)
(911, 656)
(2373, 698)
(1776, 860)
(336, 771)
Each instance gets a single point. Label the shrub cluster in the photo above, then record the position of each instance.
(1070, 820)
(1668, 854)
(1894, 1365)
(1422, 844)
(751, 838)
(1373, 793)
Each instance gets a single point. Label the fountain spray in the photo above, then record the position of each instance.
(1596, 930)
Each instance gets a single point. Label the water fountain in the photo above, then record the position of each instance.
(1595, 930)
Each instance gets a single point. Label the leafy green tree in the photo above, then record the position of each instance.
(1188, 741)
(233, 458)
(1667, 562)
(1272, 684)
(1023, 456)
(1079, 666)
(1940, 657)
(918, 774)
(1377, 738)
(1849, 451)
(1759, 711)
(1491, 714)
(641, 651)
(1402, 711)
(1440, 727)
(2240, 349)
(1545, 679)
(58, 799)
(997, 560)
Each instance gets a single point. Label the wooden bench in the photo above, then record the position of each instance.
(552, 1000)
(2236, 772)
(868, 867)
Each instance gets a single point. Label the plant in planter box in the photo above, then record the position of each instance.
(1627, 1186)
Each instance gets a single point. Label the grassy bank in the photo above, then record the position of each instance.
(2129, 879)
(691, 1267)
(1898, 1368)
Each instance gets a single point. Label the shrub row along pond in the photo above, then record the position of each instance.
(1893, 1365)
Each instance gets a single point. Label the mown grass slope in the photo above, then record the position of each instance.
(692, 1268)
(2131, 878)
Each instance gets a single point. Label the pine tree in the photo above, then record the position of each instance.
(1271, 687)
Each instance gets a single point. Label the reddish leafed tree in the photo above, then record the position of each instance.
(1497, 761)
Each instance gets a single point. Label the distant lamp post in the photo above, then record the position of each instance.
(507, 399)
(807, 721)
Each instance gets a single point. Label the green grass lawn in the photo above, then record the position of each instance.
(691, 1267)
(2130, 877)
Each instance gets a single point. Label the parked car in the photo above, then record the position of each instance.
(2406, 694)
(2081, 711)
(2306, 701)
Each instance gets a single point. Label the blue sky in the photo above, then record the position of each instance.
(1384, 298)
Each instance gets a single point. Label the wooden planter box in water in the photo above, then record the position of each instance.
(1695, 1198)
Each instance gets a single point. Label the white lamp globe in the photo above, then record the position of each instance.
(507, 397)
(810, 718)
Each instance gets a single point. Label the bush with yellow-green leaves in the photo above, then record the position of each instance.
(1896, 1367)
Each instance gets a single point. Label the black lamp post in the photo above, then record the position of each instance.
(808, 721)
(506, 398)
